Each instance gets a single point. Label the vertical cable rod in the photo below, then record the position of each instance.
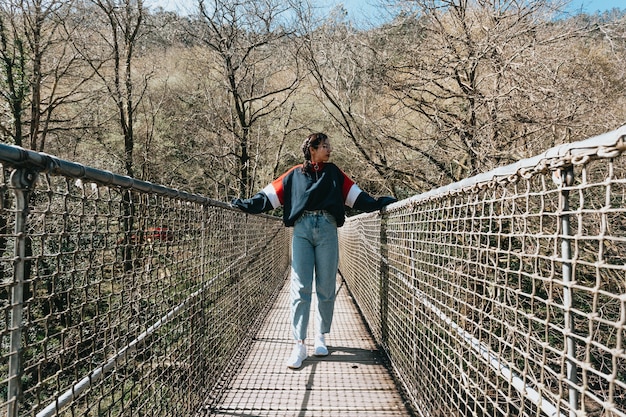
(22, 181)
(567, 179)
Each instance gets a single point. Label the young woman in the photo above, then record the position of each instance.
(313, 196)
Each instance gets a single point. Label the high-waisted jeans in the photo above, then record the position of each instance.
(315, 253)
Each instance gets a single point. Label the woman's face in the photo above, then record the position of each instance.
(322, 153)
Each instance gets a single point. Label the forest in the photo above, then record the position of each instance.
(218, 101)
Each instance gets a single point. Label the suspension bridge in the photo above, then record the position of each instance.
(500, 295)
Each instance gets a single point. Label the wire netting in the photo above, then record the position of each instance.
(134, 302)
(506, 295)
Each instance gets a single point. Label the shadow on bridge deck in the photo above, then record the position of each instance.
(351, 381)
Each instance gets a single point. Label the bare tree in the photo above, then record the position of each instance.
(39, 70)
(483, 82)
(345, 65)
(111, 49)
(15, 85)
(252, 74)
(124, 19)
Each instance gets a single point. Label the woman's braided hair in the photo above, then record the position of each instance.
(313, 140)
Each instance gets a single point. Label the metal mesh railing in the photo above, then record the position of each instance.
(504, 294)
(121, 297)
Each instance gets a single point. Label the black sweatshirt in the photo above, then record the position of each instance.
(325, 187)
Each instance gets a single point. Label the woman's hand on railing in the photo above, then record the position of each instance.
(385, 201)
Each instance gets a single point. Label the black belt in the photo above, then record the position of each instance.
(315, 213)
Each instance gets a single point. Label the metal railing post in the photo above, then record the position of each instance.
(384, 283)
(22, 180)
(567, 179)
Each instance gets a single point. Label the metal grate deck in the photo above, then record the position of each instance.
(351, 381)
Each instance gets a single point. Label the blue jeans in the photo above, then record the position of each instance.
(315, 253)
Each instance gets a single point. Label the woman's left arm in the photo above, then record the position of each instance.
(358, 199)
(366, 202)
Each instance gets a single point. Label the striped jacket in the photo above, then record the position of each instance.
(326, 188)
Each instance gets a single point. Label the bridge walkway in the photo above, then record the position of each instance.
(351, 381)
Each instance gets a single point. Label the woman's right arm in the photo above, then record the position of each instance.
(259, 203)
(271, 197)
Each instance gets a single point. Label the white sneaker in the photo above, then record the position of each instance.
(320, 346)
(298, 354)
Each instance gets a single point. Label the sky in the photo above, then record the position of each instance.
(365, 9)
(592, 6)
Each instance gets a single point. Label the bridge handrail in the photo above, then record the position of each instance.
(606, 145)
(113, 290)
(16, 156)
(506, 288)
